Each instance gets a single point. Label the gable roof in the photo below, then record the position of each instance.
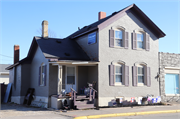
(61, 49)
(53, 48)
(25, 60)
(114, 16)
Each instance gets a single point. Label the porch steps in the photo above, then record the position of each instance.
(81, 97)
(83, 103)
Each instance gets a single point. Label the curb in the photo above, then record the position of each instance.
(127, 114)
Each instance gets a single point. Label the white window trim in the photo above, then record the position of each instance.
(142, 31)
(141, 65)
(118, 28)
(42, 84)
(143, 42)
(120, 63)
(118, 38)
(172, 95)
(118, 73)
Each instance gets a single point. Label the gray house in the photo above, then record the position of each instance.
(118, 54)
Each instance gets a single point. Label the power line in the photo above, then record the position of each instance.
(6, 59)
(6, 56)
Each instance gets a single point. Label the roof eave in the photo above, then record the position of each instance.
(133, 8)
(92, 29)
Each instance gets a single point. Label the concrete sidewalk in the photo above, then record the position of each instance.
(120, 111)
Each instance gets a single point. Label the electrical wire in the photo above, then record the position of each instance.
(6, 56)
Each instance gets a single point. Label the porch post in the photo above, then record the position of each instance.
(59, 89)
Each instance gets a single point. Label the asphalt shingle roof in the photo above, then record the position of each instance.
(62, 49)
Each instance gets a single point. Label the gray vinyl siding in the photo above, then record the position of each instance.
(25, 80)
(92, 49)
(53, 78)
(38, 59)
(130, 57)
(15, 79)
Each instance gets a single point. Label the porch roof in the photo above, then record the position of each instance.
(73, 62)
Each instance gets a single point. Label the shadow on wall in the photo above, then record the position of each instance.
(3, 91)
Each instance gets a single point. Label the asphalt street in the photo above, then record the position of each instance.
(155, 116)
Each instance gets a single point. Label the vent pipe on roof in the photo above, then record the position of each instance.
(16, 53)
(101, 15)
(45, 29)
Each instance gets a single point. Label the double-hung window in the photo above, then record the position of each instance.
(140, 74)
(140, 40)
(42, 75)
(118, 38)
(118, 74)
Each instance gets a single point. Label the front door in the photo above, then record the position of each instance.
(70, 78)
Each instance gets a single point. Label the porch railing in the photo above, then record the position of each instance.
(73, 95)
(92, 96)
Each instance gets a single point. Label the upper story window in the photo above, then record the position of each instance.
(140, 40)
(119, 38)
(92, 38)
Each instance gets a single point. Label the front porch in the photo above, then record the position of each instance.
(69, 81)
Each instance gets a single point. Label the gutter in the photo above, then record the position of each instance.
(95, 28)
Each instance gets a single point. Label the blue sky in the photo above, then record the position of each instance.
(20, 20)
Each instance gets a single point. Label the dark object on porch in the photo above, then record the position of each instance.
(87, 90)
(29, 96)
(3, 91)
(8, 91)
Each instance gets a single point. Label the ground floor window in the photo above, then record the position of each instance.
(118, 74)
(172, 83)
(70, 75)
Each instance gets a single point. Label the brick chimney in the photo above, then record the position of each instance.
(16, 53)
(45, 29)
(101, 15)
